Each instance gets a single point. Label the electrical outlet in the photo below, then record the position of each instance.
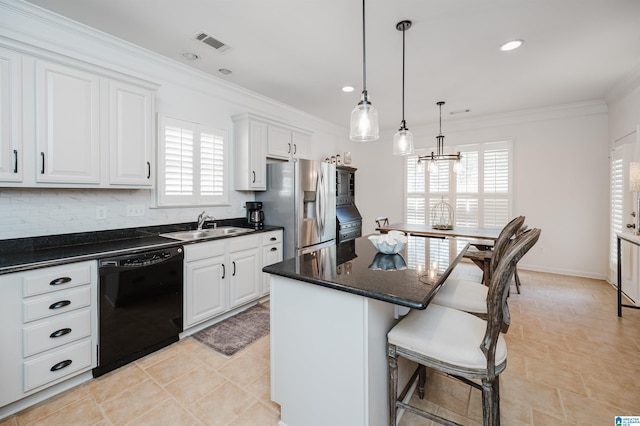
(101, 212)
(135, 210)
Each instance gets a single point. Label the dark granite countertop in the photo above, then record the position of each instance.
(22, 254)
(356, 267)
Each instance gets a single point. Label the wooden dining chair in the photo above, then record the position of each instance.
(469, 296)
(457, 343)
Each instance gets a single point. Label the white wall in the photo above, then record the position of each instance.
(184, 93)
(561, 178)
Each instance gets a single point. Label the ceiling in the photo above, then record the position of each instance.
(302, 52)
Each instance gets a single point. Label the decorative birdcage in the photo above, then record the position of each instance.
(442, 215)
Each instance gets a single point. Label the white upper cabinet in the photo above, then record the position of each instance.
(11, 154)
(250, 148)
(130, 135)
(285, 143)
(67, 124)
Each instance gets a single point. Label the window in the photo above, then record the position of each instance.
(192, 162)
(480, 193)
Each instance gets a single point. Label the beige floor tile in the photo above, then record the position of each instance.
(261, 389)
(261, 348)
(206, 355)
(170, 368)
(9, 421)
(245, 369)
(446, 392)
(257, 414)
(82, 412)
(168, 413)
(51, 405)
(115, 382)
(223, 405)
(134, 402)
(537, 395)
(551, 374)
(544, 419)
(582, 411)
(195, 384)
(157, 356)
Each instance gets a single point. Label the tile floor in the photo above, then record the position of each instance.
(572, 361)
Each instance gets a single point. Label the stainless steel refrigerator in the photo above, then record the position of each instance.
(301, 197)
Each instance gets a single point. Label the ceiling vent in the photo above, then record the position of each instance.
(212, 42)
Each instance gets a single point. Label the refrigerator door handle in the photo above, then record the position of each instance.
(317, 205)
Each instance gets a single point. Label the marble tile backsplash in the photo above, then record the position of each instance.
(35, 212)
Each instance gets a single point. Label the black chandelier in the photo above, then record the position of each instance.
(439, 155)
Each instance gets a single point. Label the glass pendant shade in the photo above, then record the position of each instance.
(403, 142)
(364, 123)
(433, 166)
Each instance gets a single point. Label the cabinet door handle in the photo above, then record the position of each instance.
(60, 304)
(61, 280)
(254, 176)
(60, 332)
(274, 248)
(148, 170)
(295, 148)
(15, 159)
(234, 269)
(61, 365)
(272, 239)
(289, 148)
(224, 271)
(42, 157)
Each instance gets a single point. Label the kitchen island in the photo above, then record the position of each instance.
(331, 310)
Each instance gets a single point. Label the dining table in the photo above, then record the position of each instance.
(482, 239)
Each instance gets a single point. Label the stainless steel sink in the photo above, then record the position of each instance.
(201, 234)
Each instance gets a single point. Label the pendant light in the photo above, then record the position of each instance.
(439, 155)
(364, 117)
(403, 139)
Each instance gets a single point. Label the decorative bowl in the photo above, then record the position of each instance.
(390, 243)
(388, 262)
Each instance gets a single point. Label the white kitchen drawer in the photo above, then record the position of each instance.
(272, 237)
(56, 303)
(56, 331)
(204, 250)
(56, 278)
(70, 359)
(244, 242)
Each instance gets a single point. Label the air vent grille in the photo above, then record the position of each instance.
(212, 42)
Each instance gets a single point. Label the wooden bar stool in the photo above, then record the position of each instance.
(457, 343)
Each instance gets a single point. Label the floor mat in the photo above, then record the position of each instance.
(237, 332)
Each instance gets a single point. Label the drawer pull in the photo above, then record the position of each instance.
(61, 280)
(272, 239)
(60, 332)
(61, 365)
(60, 304)
(274, 248)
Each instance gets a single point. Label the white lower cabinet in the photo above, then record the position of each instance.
(224, 274)
(205, 287)
(244, 282)
(49, 317)
(271, 253)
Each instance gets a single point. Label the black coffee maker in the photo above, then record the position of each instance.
(255, 215)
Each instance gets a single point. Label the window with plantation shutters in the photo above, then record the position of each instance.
(192, 164)
(480, 193)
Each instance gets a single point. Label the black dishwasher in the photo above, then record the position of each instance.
(140, 305)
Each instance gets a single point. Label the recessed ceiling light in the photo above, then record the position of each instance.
(348, 89)
(225, 71)
(511, 45)
(191, 56)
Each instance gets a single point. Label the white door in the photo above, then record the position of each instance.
(244, 283)
(623, 210)
(205, 290)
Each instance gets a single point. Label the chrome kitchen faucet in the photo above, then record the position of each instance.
(203, 217)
